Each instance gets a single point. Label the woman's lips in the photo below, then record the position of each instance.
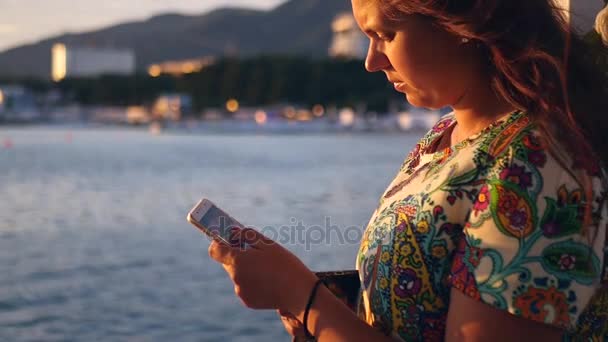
(399, 86)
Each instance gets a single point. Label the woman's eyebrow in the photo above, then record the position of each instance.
(373, 27)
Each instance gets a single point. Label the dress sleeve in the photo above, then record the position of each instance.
(522, 250)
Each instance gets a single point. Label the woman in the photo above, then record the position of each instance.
(494, 227)
(601, 24)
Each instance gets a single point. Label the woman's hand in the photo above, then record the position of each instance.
(292, 325)
(265, 275)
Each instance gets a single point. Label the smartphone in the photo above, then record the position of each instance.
(213, 221)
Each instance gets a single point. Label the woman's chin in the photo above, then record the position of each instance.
(414, 100)
(421, 102)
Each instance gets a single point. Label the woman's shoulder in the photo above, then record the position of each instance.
(515, 156)
(519, 140)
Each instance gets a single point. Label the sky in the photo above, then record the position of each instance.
(28, 21)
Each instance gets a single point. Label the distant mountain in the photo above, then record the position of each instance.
(296, 27)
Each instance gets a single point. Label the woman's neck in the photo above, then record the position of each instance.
(478, 108)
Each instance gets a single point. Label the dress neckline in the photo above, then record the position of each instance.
(439, 135)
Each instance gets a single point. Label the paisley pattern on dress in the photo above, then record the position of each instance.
(495, 216)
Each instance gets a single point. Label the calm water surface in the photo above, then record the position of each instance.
(93, 239)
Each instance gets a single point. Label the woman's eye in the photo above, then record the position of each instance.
(383, 36)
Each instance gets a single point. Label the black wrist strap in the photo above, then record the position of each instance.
(311, 299)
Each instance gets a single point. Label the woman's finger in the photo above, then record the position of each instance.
(223, 253)
(251, 237)
(291, 324)
(287, 314)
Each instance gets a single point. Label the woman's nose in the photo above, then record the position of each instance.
(375, 60)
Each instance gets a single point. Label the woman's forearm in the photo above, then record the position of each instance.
(329, 319)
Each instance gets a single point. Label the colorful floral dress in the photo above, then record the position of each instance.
(496, 217)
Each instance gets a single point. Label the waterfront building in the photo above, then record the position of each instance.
(18, 104)
(581, 13)
(348, 41)
(73, 61)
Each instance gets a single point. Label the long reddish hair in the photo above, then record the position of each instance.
(536, 63)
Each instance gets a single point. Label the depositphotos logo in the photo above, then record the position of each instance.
(297, 233)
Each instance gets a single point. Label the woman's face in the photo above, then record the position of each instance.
(431, 67)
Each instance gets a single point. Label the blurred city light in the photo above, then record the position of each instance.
(161, 106)
(1, 97)
(404, 120)
(154, 70)
(303, 115)
(232, 105)
(180, 67)
(137, 115)
(347, 117)
(318, 110)
(188, 68)
(261, 117)
(290, 113)
(59, 64)
(175, 105)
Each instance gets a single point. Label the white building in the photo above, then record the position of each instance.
(348, 40)
(70, 61)
(581, 13)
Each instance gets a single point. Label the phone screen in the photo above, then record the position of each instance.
(218, 222)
